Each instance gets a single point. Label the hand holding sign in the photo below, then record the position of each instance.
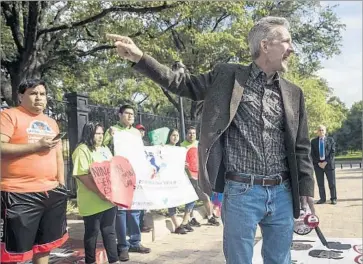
(115, 180)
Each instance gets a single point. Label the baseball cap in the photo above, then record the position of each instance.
(140, 127)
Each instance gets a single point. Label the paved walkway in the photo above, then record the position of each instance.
(343, 220)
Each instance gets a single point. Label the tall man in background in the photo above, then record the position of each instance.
(323, 155)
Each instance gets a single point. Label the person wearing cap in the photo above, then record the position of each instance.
(127, 221)
(142, 130)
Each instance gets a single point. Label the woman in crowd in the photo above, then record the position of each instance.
(98, 213)
(184, 227)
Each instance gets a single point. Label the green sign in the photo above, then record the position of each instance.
(159, 136)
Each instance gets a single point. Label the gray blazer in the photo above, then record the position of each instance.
(222, 90)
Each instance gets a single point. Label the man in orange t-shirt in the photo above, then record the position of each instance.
(33, 196)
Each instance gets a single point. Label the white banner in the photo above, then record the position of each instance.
(161, 181)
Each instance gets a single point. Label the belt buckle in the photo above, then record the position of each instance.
(252, 179)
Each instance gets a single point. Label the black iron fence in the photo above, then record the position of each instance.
(72, 113)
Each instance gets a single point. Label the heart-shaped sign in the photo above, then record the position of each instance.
(115, 179)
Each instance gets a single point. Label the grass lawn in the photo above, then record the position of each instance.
(350, 156)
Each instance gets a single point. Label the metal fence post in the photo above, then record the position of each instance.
(77, 111)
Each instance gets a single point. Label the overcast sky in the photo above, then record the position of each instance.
(344, 72)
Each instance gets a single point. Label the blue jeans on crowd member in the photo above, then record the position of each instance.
(128, 222)
(245, 206)
(188, 208)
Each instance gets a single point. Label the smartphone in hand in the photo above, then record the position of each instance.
(59, 136)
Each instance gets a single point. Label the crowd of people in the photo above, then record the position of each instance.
(34, 200)
(254, 148)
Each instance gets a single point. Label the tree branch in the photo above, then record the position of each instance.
(24, 5)
(12, 21)
(60, 12)
(105, 12)
(30, 37)
(219, 20)
(171, 99)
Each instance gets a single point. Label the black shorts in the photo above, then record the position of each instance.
(32, 223)
(201, 195)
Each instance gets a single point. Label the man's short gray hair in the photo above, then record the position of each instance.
(264, 29)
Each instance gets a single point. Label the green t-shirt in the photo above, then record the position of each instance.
(108, 139)
(89, 203)
(187, 144)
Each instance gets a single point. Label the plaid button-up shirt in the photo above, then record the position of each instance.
(254, 142)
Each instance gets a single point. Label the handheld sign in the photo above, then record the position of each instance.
(116, 180)
(192, 162)
(159, 136)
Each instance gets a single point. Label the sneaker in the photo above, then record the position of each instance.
(180, 230)
(188, 228)
(213, 221)
(194, 222)
(140, 249)
(124, 255)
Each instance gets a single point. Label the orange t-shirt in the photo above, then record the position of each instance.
(34, 172)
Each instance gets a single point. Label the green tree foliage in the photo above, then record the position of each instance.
(321, 107)
(64, 42)
(349, 136)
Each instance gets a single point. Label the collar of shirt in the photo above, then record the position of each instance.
(257, 71)
(122, 126)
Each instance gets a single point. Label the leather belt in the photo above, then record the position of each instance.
(264, 181)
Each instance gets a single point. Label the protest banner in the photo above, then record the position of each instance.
(161, 181)
(159, 136)
(115, 179)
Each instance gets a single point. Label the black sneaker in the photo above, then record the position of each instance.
(124, 255)
(213, 221)
(194, 222)
(180, 230)
(140, 249)
(188, 228)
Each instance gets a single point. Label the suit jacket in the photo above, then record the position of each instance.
(329, 145)
(222, 91)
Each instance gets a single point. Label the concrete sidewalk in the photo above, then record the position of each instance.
(204, 245)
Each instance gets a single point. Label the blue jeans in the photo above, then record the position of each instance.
(245, 206)
(188, 208)
(128, 222)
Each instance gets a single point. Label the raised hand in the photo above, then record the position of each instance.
(126, 48)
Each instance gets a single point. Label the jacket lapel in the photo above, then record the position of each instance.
(287, 102)
(240, 78)
(287, 99)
